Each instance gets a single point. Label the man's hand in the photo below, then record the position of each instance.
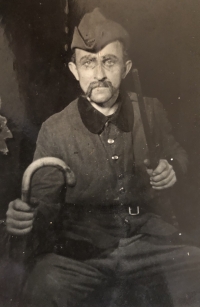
(20, 217)
(163, 176)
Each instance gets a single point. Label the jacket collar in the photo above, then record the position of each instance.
(95, 121)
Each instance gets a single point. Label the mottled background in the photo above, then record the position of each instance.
(35, 81)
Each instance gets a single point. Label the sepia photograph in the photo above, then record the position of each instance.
(99, 153)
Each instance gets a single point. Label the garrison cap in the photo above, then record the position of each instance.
(96, 31)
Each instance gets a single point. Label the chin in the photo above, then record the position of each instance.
(100, 100)
(101, 97)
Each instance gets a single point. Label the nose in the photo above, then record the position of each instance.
(99, 72)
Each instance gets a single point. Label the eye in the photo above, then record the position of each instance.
(89, 63)
(109, 62)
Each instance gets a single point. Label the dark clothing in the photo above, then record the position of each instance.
(107, 158)
(93, 251)
(142, 271)
(95, 121)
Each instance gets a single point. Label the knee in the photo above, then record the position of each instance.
(41, 286)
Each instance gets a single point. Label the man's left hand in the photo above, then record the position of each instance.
(163, 176)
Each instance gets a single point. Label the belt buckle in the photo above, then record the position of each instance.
(135, 213)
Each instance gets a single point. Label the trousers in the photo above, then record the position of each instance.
(142, 271)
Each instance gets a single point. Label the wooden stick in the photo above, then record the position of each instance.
(147, 131)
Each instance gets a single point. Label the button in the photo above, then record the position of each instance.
(122, 190)
(106, 124)
(115, 157)
(121, 176)
(110, 141)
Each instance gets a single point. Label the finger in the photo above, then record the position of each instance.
(21, 206)
(165, 174)
(19, 232)
(164, 181)
(19, 224)
(70, 176)
(19, 215)
(161, 167)
(147, 163)
(169, 185)
(149, 172)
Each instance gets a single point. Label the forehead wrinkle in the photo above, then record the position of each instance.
(102, 52)
(105, 56)
(97, 55)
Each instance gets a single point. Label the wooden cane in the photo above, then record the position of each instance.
(147, 131)
(18, 243)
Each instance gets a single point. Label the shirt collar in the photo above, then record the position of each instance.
(95, 121)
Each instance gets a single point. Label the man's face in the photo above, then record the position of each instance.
(100, 74)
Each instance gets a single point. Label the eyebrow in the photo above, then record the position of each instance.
(92, 57)
(111, 56)
(87, 57)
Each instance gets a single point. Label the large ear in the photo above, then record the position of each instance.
(73, 69)
(128, 66)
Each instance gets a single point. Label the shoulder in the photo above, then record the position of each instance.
(61, 124)
(64, 118)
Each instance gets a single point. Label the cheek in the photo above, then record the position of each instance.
(116, 77)
(85, 79)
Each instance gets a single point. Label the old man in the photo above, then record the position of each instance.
(104, 242)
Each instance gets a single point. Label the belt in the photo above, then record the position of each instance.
(132, 212)
(130, 209)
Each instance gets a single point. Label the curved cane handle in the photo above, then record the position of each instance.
(47, 161)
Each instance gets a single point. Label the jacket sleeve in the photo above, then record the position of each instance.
(48, 181)
(47, 190)
(170, 149)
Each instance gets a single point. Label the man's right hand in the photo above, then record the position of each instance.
(20, 217)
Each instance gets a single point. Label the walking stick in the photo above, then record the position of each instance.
(18, 244)
(153, 158)
(147, 131)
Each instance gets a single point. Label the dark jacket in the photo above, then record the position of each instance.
(67, 136)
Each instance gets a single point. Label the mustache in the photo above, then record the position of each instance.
(96, 84)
